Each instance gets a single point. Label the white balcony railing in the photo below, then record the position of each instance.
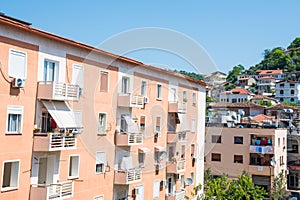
(58, 91)
(176, 166)
(131, 100)
(128, 139)
(137, 101)
(128, 176)
(135, 138)
(180, 165)
(177, 195)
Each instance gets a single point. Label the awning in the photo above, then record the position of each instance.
(160, 148)
(126, 163)
(64, 117)
(132, 127)
(184, 123)
(144, 150)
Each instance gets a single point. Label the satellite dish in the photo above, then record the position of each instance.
(188, 181)
(273, 162)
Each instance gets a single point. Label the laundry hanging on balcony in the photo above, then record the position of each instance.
(64, 117)
(132, 127)
(184, 123)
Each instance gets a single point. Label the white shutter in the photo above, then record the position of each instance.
(78, 76)
(100, 157)
(17, 64)
(156, 185)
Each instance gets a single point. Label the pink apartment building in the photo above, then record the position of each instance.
(82, 123)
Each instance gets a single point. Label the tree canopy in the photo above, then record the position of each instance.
(191, 74)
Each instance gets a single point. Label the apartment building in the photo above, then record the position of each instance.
(82, 123)
(287, 91)
(259, 152)
(236, 95)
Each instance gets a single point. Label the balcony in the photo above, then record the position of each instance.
(128, 100)
(58, 91)
(172, 137)
(261, 149)
(261, 170)
(129, 139)
(178, 195)
(58, 191)
(125, 177)
(176, 167)
(54, 141)
(177, 107)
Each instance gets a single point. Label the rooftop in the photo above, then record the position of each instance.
(263, 72)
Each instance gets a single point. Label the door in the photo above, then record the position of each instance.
(171, 153)
(170, 186)
(139, 192)
(42, 175)
(173, 95)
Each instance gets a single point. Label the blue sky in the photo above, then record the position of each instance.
(232, 32)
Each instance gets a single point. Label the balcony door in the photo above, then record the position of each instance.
(139, 192)
(46, 170)
(50, 73)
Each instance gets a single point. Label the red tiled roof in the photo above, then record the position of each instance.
(240, 91)
(261, 97)
(261, 72)
(260, 118)
(234, 105)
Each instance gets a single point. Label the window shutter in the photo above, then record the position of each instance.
(17, 64)
(100, 157)
(104, 82)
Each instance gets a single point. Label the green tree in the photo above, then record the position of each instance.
(295, 43)
(191, 74)
(279, 185)
(234, 73)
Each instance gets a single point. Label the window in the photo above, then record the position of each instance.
(279, 142)
(194, 98)
(192, 177)
(100, 162)
(156, 186)
(173, 95)
(158, 124)
(292, 99)
(238, 159)
(10, 175)
(141, 158)
(17, 64)
(103, 81)
(50, 71)
(159, 91)
(184, 96)
(216, 138)
(78, 77)
(292, 92)
(142, 123)
(102, 123)
(182, 152)
(238, 140)
(74, 166)
(193, 128)
(100, 197)
(281, 160)
(14, 119)
(283, 141)
(216, 157)
(125, 85)
(124, 127)
(182, 181)
(193, 150)
(143, 88)
(281, 92)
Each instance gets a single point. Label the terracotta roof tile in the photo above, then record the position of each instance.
(240, 91)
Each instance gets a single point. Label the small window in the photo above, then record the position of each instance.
(192, 177)
(50, 71)
(281, 92)
(193, 128)
(125, 85)
(142, 123)
(100, 162)
(17, 64)
(238, 140)
(141, 158)
(193, 150)
(103, 81)
(216, 138)
(156, 186)
(158, 124)
(292, 99)
(283, 141)
(143, 88)
(216, 157)
(184, 96)
(238, 159)
(194, 98)
(74, 166)
(102, 123)
(14, 119)
(10, 175)
(159, 91)
(78, 77)
(100, 197)
(292, 92)
(182, 181)
(279, 142)
(182, 152)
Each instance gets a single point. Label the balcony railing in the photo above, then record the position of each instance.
(58, 91)
(57, 191)
(178, 195)
(129, 100)
(261, 149)
(55, 141)
(176, 166)
(125, 177)
(261, 170)
(177, 106)
(129, 139)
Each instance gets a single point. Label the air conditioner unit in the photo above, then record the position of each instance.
(18, 83)
(146, 99)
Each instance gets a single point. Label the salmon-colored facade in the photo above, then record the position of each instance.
(81, 123)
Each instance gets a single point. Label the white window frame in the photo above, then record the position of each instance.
(127, 86)
(184, 95)
(108, 78)
(78, 166)
(98, 162)
(155, 183)
(105, 123)
(182, 181)
(99, 197)
(160, 124)
(74, 81)
(10, 60)
(194, 97)
(194, 126)
(17, 110)
(56, 71)
(159, 93)
(18, 175)
(144, 89)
